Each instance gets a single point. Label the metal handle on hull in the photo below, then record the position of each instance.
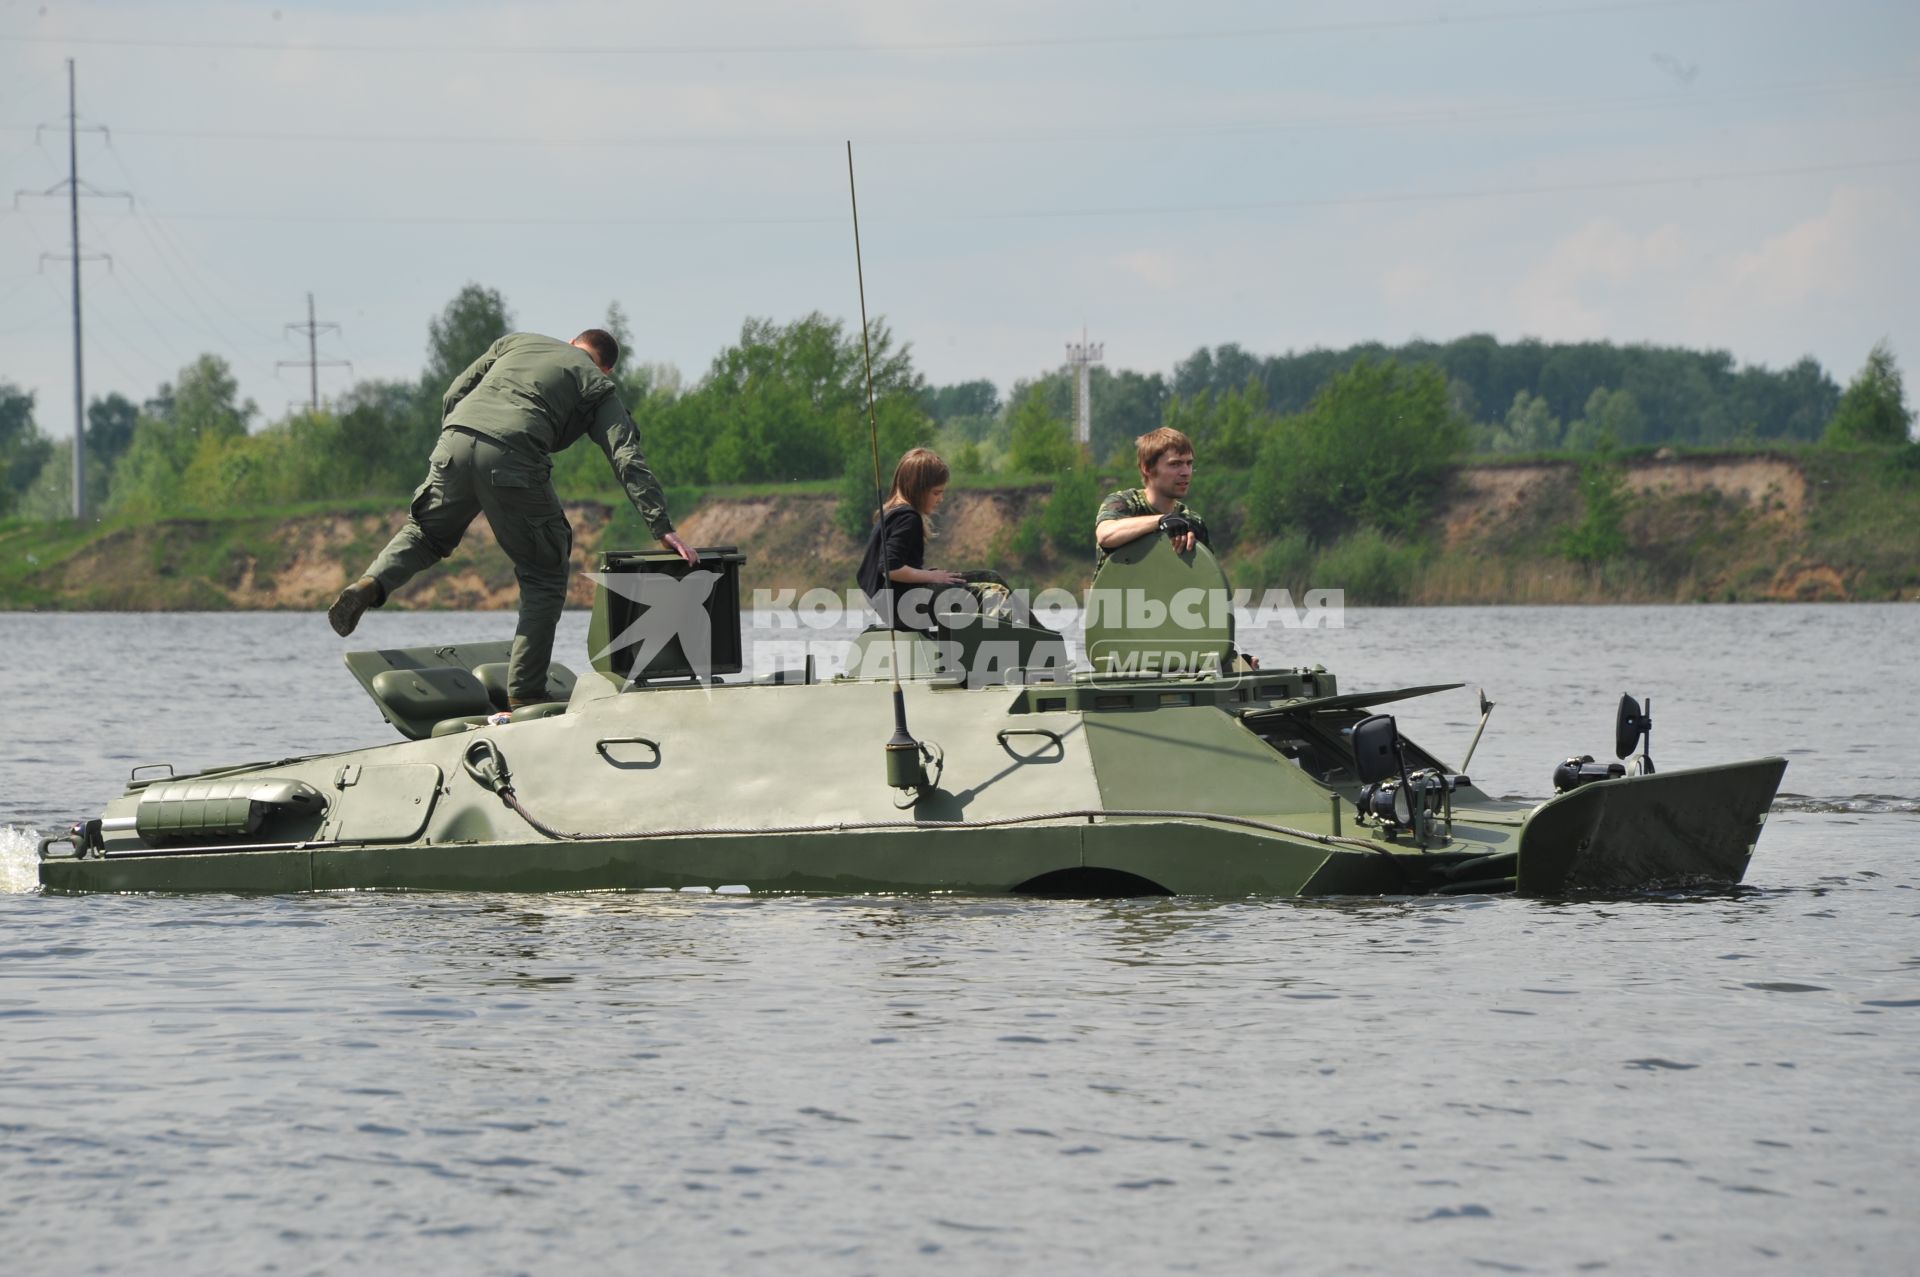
(600, 747)
(1053, 737)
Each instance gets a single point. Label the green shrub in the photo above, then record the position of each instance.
(1601, 533)
(1287, 564)
(1028, 539)
(1067, 518)
(1371, 567)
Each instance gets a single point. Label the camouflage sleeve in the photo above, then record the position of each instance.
(463, 384)
(1113, 507)
(619, 438)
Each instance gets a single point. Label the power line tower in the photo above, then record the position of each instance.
(313, 362)
(75, 188)
(1081, 356)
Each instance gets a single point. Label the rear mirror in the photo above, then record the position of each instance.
(1376, 748)
(1629, 725)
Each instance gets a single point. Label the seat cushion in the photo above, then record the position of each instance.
(493, 677)
(414, 700)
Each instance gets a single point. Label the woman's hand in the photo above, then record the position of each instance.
(925, 576)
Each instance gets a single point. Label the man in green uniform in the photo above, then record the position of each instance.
(1166, 465)
(501, 420)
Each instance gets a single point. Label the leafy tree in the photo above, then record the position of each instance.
(966, 459)
(199, 411)
(859, 504)
(1612, 419)
(1067, 518)
(1874, 410)
(1372, 450)
(23, 450)
(475, 319)
(1687, 396)
(1040, 442)
(975, 399)
(110, 423)
(204, 402)
(1126, 405)
(790, 402)
(1531, 425)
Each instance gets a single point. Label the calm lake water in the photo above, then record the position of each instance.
(500, 1084)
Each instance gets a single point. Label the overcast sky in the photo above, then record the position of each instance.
(1739, 174)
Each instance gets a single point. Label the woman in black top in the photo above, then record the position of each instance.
(897, 549)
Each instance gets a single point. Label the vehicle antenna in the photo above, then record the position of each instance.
(903, 751)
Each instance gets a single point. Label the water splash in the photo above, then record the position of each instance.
(19, 859)
(1870, 804)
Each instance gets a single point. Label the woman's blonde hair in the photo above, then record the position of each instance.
(920, 471)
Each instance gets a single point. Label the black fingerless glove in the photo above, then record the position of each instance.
(1175, 525)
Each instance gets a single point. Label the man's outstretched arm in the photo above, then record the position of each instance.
(1111, 533)
(617, 436)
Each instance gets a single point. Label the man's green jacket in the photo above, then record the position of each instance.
(538, 395)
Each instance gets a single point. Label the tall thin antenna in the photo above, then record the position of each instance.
(903, 751)
(313, 362)
(873, 418)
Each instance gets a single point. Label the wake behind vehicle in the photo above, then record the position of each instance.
(973, 759)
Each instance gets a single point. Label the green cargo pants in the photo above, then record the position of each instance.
(470, 474)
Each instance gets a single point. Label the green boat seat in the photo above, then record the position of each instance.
(415, 699)
(493, 677)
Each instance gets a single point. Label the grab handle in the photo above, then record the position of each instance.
(602, 747)
(1053, 738)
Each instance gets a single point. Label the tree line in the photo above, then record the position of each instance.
(1313, 444)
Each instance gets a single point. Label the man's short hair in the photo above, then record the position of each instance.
(1156, 444)
(606, 351)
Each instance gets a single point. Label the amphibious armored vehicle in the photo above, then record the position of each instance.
(973, 758)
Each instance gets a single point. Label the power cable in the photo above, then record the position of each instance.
(181, 360)
(1410, 117)
(1080, 39)
(101, 322)
(205, 318)
(1137, 210)
(36, 318)
(166, 243)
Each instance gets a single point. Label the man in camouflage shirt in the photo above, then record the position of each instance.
(1166, 464)
(502, 420)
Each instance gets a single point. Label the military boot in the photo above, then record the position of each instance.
(353, 603)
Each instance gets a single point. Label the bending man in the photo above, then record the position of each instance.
(501, 420)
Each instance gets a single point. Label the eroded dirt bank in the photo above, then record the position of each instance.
(1735, 527)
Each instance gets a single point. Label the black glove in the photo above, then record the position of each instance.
(1175, 525)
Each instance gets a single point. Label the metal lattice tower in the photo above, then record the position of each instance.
(313, 363)
(1081, 356)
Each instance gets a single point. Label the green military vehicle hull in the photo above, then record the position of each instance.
(1203, 781)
